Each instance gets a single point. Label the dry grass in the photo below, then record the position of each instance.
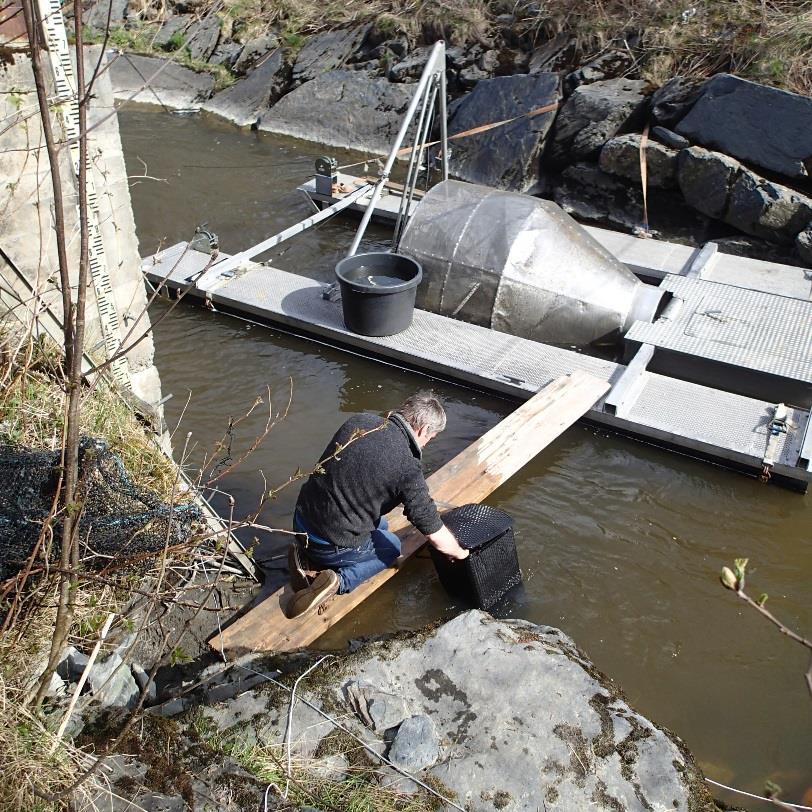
(27, 735)
(767, 40)
(32, 412)
(29, 767)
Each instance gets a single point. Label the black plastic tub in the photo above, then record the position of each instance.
(378, 292)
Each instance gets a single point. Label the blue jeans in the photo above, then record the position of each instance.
(352, 564)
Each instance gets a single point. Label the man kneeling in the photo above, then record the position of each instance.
(340, 511)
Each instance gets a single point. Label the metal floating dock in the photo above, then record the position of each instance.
(737, 430)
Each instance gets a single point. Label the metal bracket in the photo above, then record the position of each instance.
(629, 385)
(805, 456)
(776, 427)
(331, 292)
(703, 261)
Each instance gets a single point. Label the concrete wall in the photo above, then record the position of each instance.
(29, 276)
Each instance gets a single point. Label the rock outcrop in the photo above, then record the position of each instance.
(621, 156)
(327, 52)
(493, 713)
(250, 98)
(169, 84)
(342, 108)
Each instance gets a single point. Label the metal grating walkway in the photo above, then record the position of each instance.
(743, 328)
(694, 418)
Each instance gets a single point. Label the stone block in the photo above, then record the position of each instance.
(705, 179)
(592, 115)
(621, 156)
(507, 157)
(803, 243)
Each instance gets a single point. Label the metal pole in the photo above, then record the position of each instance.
(230, 263)
(443, 125)
(437, 53)
(423, 136)
(414, 161)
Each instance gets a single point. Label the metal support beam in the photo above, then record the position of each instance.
(231, 263)
(703, 261)
(624, 393)
(805, 456)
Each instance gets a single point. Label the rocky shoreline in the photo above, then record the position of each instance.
(486, 714)
(727, 159)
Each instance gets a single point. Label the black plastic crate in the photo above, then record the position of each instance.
(492, 568)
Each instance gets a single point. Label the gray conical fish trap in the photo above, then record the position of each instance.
(522, 266)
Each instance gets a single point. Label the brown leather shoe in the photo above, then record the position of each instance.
(306, 600)
(298, 574)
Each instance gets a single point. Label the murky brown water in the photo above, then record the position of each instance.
(620, 543)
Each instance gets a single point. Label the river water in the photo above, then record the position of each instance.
(620, 543)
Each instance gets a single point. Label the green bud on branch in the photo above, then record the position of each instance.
(728, 579)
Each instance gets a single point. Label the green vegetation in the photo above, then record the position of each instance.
(357, 791)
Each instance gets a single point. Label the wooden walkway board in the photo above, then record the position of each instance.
(468, 478)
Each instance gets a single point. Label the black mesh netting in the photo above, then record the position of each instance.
(117, 520)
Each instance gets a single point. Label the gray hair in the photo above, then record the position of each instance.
(423, 410)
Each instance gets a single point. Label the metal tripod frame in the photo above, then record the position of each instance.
(432, 84)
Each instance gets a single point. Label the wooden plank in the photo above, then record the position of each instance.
(470, 477)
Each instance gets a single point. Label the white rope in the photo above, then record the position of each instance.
(289, 729)
(758, 797)
(363, 744)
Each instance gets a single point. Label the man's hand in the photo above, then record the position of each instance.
(445, 542)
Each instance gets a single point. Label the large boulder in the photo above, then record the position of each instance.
(525, 721)
(594, 114)
(496, 714)
(202, 38)
(97, 16)
(757, 124)
(803, 244)
(621, 156)
(244, 102)
(705, 179)
(507, 157)
(552, 55)
(327, 52)
(174, 86)
(343, 108)
(255, 50)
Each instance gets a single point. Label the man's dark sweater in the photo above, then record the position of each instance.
(374, 474)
